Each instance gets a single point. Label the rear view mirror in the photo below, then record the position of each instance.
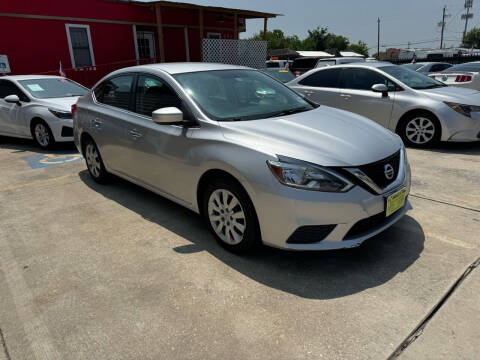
(381, 88)
(167, 115)
(13, 99)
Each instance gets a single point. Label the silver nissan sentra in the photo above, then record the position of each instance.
(255, 159)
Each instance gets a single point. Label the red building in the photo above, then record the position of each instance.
(94, 37)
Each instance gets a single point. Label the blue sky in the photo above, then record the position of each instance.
(401, 20)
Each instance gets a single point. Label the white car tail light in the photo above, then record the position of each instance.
(463, 78)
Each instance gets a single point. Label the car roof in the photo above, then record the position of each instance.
(28, 77)
(377, 64)
(183, 67)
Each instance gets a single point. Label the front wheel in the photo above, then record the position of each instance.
(420, 130)
(94, 161)
(42, 135)
(230, 215)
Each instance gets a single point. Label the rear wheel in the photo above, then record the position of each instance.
(230, 215)
(94, 161)
(420, 130)
(42, 135)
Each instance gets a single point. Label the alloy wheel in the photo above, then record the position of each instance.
(42, 135)
(226, 216)
(93, 160)
(420, 130)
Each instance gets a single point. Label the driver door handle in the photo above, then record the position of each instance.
(135, 134)
(346, 96)
(309, 92)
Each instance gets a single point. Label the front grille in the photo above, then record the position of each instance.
(67, 131)
(376, 170)
(310, 234)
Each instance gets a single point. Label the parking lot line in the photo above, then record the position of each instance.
(32, 183)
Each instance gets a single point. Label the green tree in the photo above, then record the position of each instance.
(359, 48)
(276, 39)
(472, 38)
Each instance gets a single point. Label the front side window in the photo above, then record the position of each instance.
(327, 78)
(412, 79)
(234, 95)
(115, 91)
(152, 94)
(52, 88)
(80, 45)
(362, 79)
(9, 88)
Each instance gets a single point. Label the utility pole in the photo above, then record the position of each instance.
(468, 5)
(442, 24)
(378, 39)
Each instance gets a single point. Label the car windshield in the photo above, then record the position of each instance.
(52, 88)
(283, 75)
(473, 67)
(413, 67)
(412, 79)
(234, 95)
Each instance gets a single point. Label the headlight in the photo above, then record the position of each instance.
(307, 176)
(463, 109)
(61, 114)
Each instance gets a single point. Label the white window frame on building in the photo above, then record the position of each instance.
(214, 35)
(146, 35)
(70, 47)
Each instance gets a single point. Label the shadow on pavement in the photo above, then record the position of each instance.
(23, 145)
(316, 275)
(467, 148)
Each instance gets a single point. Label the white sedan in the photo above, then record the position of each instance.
(463, 75)
(38, 107)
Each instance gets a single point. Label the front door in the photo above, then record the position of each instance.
(357, 95)
(10, 114)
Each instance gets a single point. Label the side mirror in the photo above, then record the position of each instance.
(13, 99)
(381, 88)
(167, 116)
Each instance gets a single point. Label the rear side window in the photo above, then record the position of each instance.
(439, 67)
(324, 78)
(362, 79)
(305, 63)
(115, 91)
(9, 88)
(153, 94)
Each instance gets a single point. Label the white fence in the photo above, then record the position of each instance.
(250, 53)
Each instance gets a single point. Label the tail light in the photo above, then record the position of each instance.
(74, 108)
(463, 78)
(297, 73)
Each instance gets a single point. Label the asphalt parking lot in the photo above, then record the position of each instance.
(116, 272)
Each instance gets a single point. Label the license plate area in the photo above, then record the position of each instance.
(395, 202)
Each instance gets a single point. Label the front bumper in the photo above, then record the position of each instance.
(282, 211)
(62, 129)
(459, 128)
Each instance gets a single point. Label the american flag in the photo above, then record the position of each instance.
(61, 71)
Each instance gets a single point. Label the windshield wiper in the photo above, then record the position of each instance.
(289, 111)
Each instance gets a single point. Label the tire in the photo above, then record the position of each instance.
(42, 135)
(230, 216)
(420, 130)
(94, 161)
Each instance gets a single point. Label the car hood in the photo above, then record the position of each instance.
(324, 136)
(64, 103)
(453, 94)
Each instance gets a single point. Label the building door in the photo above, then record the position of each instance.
(146, 44)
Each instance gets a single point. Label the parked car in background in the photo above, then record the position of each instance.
(338, 61)
(420, 109)
(258, 161)
(282, 75)
(303, 64)
(462, 75)
(283, 64)
(38, 107)
(427, 67)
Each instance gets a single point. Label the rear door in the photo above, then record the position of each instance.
(107, 120)
(321, 87)
(357, 96)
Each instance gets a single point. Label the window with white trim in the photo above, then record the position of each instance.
(80, 45)
(212, 35)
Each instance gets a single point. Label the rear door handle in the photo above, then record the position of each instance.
(308, 92)
(135, 134)
(345, 96)
(97, 123)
